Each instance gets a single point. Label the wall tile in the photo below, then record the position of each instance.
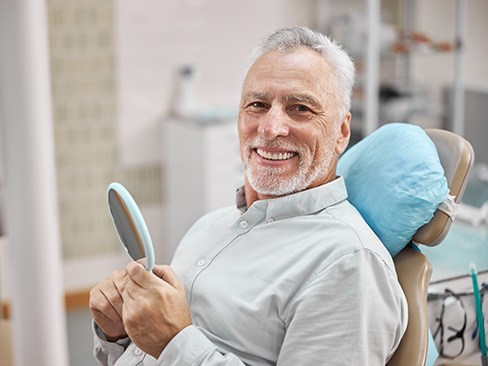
(82, 48)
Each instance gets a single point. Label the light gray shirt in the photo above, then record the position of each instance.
(296, 280)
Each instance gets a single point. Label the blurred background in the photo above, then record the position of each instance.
(146, 93)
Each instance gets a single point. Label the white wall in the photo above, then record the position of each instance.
(437, 19)
(155, 37)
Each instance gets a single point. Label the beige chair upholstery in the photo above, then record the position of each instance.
(413, 268)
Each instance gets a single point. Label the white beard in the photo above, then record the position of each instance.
(267, 180)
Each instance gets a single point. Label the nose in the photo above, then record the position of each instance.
(274, 124)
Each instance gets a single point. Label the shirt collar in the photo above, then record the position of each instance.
(300, 203)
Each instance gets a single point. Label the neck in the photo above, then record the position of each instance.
(251, 194)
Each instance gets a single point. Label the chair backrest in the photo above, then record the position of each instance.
(457, 158)
(413, 268)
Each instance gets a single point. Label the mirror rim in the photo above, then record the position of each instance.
(138, 220)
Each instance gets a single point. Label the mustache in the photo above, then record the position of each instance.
(274, 143)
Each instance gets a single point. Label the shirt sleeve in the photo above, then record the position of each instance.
(191, 347)
(188, 347)
(353, 311)
(107, 353)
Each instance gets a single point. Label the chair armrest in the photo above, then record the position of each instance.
(413, 270)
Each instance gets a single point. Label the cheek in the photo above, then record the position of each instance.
(244, 138)
(321, 144)
(310, 140)
(245, 129)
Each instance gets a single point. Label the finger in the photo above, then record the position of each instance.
(132, 290)
(100, 305)
(103, 320)
(119, 283)
(106, 293)
(113, 306)
(118, 300)
(167, 274)
(138, 273)
(142, 261)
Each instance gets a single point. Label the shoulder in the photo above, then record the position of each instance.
(344, 224)
(224, 215)
(215, 221)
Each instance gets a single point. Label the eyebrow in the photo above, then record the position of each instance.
(256, 95)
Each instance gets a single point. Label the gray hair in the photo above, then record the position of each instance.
(289, 39)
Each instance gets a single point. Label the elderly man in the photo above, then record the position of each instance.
(292, 275)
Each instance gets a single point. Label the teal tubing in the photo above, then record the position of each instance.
(479, 313)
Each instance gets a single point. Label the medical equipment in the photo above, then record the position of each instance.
(479, 314)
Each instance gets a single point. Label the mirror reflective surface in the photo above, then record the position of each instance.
(130, 225)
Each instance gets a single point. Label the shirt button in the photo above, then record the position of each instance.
(244, 224)
(201, 262)
(137, 351)
(269, 220)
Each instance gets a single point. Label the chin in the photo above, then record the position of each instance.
(269, 186)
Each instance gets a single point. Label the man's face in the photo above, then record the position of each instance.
(290, 131)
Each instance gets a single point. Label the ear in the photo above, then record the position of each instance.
(344, 134)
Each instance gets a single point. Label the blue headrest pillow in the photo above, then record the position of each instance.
(395, 180)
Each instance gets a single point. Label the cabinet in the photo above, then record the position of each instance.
(201, 168)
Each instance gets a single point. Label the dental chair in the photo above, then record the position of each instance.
(403, 179)
(413, 268)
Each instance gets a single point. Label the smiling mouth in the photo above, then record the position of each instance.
(275, 156)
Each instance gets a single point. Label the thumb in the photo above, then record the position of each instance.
(167, 274)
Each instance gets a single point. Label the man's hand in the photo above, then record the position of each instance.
(106, 305)
(154, 308)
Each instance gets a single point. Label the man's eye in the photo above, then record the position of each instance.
(301, 112)
(258, 105)
(301, 108)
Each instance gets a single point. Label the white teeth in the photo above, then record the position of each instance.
(272, 156)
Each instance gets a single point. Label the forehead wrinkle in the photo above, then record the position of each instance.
(256, 95)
